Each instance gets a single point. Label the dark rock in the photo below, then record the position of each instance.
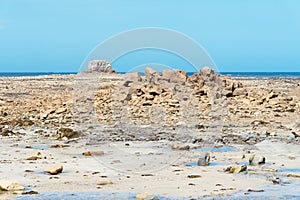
(257, 160)
(204, 160)
(67, 132)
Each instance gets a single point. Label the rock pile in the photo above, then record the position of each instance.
(165, 98)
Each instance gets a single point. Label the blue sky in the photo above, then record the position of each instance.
(53, 36)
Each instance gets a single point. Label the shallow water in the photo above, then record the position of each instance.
(88, 195)
(289, 170)
(38, 147)
(214, 149)
(193, 164)
(287, 191)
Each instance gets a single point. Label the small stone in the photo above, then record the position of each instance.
(105, 183)
(59, 146)
(6, 185)
(294, 175)
(194, 176)
(60, 110)
(252, 190)
(53, 170)
(181, 147)
(151, 197)
(142, 196)
(67, 132)
(93, 153)
(31, 192)
(38, 155)
(147, 175)
(275, 180)
(236, 169)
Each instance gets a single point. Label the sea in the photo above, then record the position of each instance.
(232, 74)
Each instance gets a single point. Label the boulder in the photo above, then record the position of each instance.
(101, 66)
(67, 132)
(196, 80)
(204, 160)
(181, 147)
(257, 160)
(151, 75)
(132, 76)
(240, 92)
(296, 134)
(207, 72)
(175, 76)
(6, 185)
(6, 132)
(236, 169)
(54, 169)
(38, 155)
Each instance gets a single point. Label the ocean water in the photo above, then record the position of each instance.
(232, 74)
(263, 74)
(12, 74)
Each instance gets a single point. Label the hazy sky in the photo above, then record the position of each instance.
(52, 36)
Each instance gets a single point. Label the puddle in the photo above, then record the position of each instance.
(289, 170)
(88, 195)
(214, 149)
(286, 136)
(42, 172)
(165, 148)
(38, 147)
(287, 191)
(195, 164)
(150, 147)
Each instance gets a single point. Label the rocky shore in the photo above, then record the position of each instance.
(157, 134)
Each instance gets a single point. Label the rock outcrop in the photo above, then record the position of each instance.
(170, 98)
(101, 66)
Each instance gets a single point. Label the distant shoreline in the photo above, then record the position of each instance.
(250, 75)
